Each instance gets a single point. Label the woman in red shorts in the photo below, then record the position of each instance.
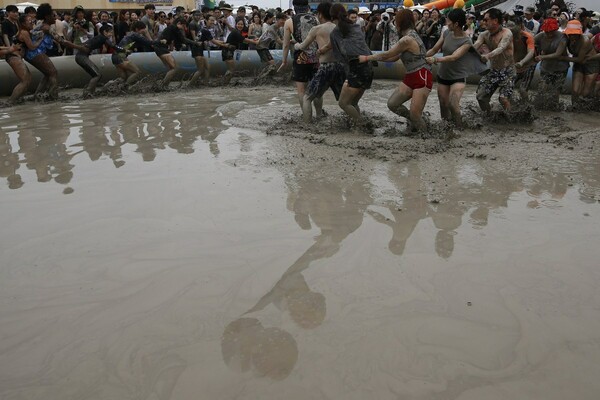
(418, 81)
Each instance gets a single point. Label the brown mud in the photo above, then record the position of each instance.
(206, 244)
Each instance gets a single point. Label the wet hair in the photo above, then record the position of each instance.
(22, 19)
(324, 9)
(43, 11)
(496, 14)
(344, 24)
(11, 8)
(137, 25)
(105, 28)
(405, 20)
(457, 16)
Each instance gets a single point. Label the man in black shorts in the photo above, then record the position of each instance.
(331, 73)
(306, 61)
(270, 35)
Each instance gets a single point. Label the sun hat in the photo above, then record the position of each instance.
(573, 28)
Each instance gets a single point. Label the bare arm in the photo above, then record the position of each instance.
(401, 46)
(287, 37)
(458, 53)
(528, 57)
(6, 40)
(479, 42)
(583, 51)
(26, 38)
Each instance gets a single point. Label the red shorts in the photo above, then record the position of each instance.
(419, 79)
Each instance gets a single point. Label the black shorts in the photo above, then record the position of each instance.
(587, 68)
(118, 58)
(449, 82)
(227, 54)
(303, 72)
(161, 50)
(329, 75)
(359, 76)
(88, 66)
(265, 55)
(197, 51)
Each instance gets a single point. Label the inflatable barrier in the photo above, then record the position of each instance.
(247, 62)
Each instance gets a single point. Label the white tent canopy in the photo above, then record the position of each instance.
(593, 5)
(22, 6)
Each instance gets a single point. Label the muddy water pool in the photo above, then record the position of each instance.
(158, 247)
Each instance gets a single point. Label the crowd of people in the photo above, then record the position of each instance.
(331, 47)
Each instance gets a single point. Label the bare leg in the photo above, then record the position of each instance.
(456, 93)
(22, 72)
(396, 101)
(444, 98)
(199, 70)
(300, 89)
(588, 86)
(318, 102)
(348, 98)
(169, 62)
(50, 81)
(417, 104)
(306, 105)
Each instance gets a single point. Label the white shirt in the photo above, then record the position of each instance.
(230, 22)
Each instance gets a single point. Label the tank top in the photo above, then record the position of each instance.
(414, 62)
(302, 24)
(469, 64)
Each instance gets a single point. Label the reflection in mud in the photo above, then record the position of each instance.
(51, 147)
(464, 276)
(337, 211)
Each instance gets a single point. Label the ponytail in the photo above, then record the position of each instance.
(339, 13)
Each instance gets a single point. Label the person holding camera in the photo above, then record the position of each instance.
(388, 29)
(82, 30)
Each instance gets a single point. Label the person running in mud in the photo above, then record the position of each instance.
(459, 61)
(206, 40)
(172, 35)
(306, 61)
(233, 42)
(499, 41)
(136, 38)
(585, 69)
(331, 73)
(349, 45)
(82, 58)
(35, 49)
(418, 81)
(524, 54)
(552, 47)
(10, 29)
(263, 44)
